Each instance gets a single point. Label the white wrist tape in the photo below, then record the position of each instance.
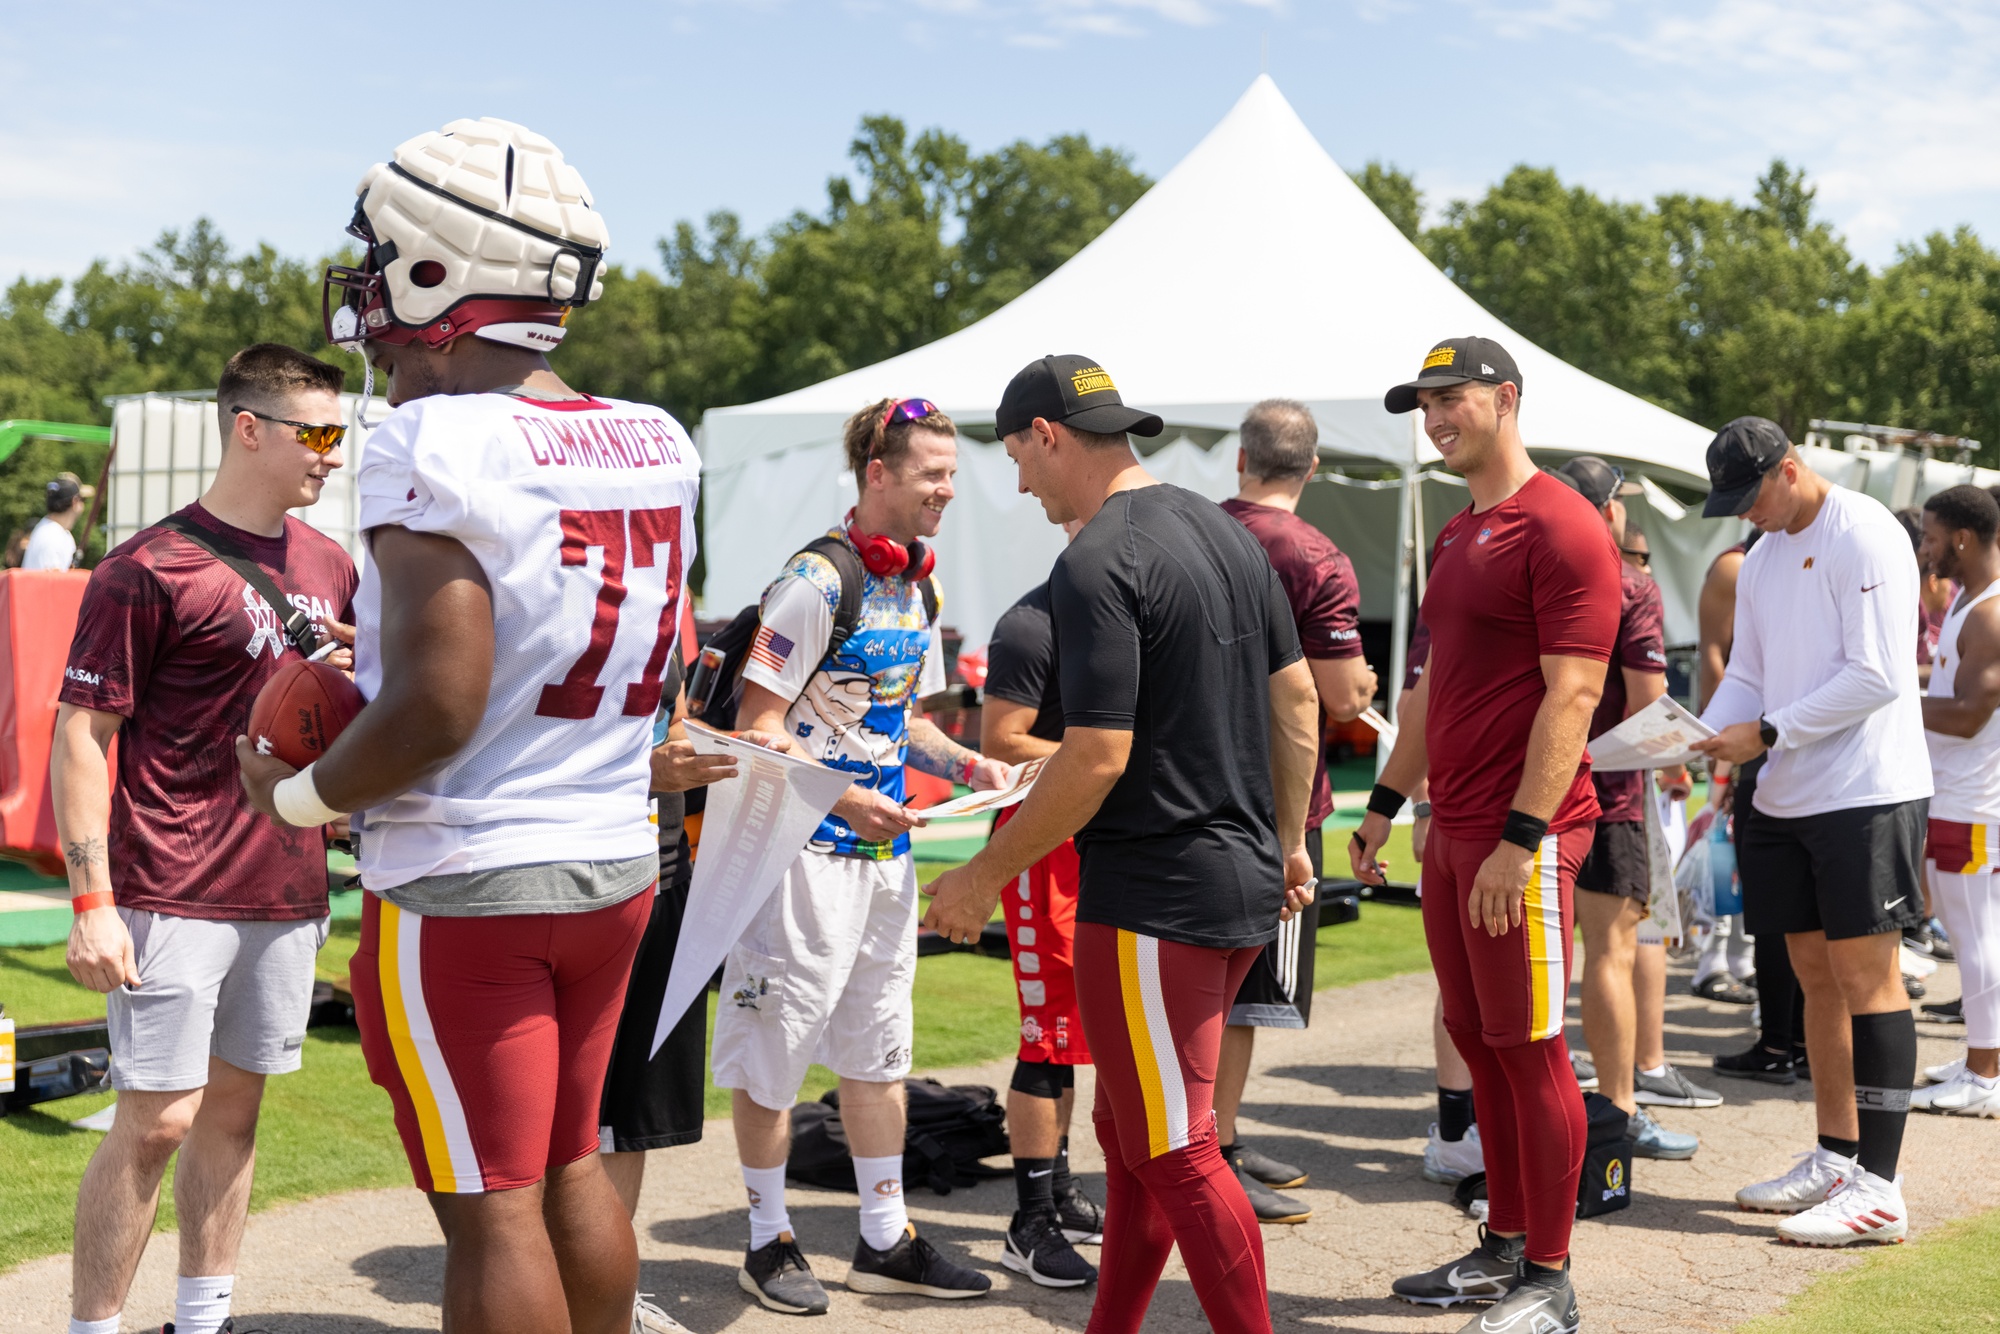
(298, 801)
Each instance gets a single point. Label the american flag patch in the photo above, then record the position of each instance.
(770, 649)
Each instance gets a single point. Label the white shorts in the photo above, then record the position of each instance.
(822, 974)
(241, 991)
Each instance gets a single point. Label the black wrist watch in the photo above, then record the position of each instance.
(1768, 732)
(1422, 810)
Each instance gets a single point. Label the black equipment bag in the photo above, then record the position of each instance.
(950, 1130)
(716, 682)
(1606, 1184)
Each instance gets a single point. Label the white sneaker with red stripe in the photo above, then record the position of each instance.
(1815, 1177)
(1867, 1208)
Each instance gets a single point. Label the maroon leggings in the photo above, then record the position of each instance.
(1154, 1013)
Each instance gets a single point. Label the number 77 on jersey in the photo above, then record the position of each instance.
(636, 535)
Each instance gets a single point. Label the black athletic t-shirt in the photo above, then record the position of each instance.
(1021, 663)
(1169, 622)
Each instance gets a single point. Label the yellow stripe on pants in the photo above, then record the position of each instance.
(1145, 1059)
(1541, 919)
(393, 935)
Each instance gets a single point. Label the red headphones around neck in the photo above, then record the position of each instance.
(888, 558)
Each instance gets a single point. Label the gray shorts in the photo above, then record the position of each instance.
(241, 991)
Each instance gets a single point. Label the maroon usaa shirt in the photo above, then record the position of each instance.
(1641, 646)
(178, 644)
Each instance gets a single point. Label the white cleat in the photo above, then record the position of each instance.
(1964, 1094)
(1939, 1074)
(1867, 1208)
(1449, 1163)
(1813, 1179)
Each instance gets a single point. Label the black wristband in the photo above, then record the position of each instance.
(1524, 830)
(1385, 801)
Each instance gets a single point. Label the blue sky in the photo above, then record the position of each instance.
(122, 119)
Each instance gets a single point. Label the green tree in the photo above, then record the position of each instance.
(1923, 349)
(1029, 209)
(1586, 278)
(1395, 192)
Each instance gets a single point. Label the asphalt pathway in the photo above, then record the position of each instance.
(1350, 1100)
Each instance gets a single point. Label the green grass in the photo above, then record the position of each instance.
(327, 1128)
(1945, 1282)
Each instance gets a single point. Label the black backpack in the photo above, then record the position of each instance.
(950, 1130)
(716, 683)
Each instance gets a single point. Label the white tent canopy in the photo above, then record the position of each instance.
(1254, 269)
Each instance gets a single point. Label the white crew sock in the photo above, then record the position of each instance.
(1653, 1073)
(883, 1214)
(106, 1326)
(766, 1187)
(202, 1304)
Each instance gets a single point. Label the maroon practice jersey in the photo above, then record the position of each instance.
(1326, 602)
(1641, 647)
(178, 644)
(1535, 576)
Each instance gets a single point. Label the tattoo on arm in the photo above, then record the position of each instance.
(932, 752)
(85, 852)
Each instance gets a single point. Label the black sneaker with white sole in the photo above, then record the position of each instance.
(913, 1268)
(1036, 1247)
(1542, 1302)
(1082, 1221)
(1943, 1012)
(1759, 1063)
(1485, 1275)
(1262, 1167)
(777, 1275)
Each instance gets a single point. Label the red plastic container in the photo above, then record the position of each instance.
(37, 620)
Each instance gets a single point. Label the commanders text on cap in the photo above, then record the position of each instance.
(1455, 361)
(1073, 390)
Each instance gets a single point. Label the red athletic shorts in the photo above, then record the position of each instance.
(1508, 988)
(1041, 928)
(491, 1035)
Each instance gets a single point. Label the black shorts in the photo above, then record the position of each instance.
(1278, 990)
(1848, 873)
(1617, 862)
(655, 1101)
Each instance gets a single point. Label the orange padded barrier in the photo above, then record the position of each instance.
(37, 620)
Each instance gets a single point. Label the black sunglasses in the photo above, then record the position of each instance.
(319, 438)
(1643, 557)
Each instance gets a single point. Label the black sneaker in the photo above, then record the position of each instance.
(914, 1268)
(1036, 1247)
(1542, 1302)
(1725, 989)
(1264, 1168)
(228, 1327)
(1082, 1221)
(1760, 1063)
(1920, 939)
(1944, 1012)
(1487, 1274)
(1268, 1205)
(777, 1275)
(1915, 989)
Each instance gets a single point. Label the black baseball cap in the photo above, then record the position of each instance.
(1738, 459)
(61, 493)
(1455, 361)
(1596, 479)
(1075, 391)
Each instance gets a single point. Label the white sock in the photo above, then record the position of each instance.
(1653, 1073)
(202, 1304)
(883, 1214)
(107, 1326)
(1982, 1080)
(766, 1187)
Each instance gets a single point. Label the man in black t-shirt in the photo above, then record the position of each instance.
(1188, 807)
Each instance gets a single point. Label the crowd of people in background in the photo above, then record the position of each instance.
(1158, 885)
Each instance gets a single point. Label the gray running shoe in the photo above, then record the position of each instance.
(1541, 1303)
(1671, 1088)
(1485, 1275)
(777, 1275)
(1650, 1139)
(1264, 1168)
(1268, 1205)
(1586, 1071)
(913, 1268)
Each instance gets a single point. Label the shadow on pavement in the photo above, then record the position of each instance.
(406, 1275)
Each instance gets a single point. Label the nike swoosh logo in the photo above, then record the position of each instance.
(1044, 1172)
(1486, 1321)
(1890, 906)
(1871, 588)
(1460, 1284)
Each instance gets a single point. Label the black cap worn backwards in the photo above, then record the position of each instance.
(1455, 361)
(1075, 391)
(1596, 479)
(1738, 458)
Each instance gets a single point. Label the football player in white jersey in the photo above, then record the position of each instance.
(528, 546)
(1963, 847)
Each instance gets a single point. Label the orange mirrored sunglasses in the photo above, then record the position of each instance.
(318, 438)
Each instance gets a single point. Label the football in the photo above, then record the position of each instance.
(301, 710)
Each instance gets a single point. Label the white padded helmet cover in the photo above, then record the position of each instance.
(493, 165)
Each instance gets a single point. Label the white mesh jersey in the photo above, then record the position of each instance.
(581, 513)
